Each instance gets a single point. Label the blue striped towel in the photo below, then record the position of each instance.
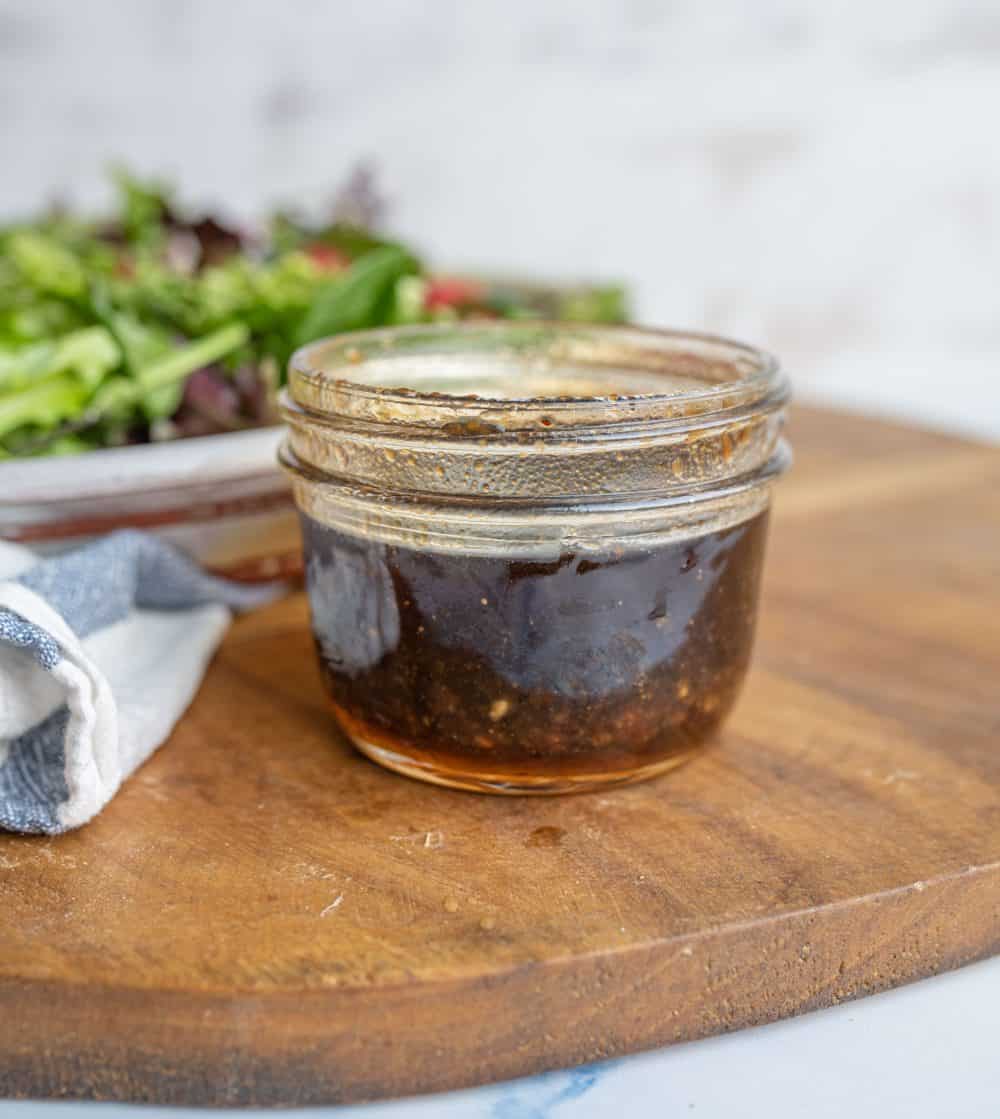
(101, 651)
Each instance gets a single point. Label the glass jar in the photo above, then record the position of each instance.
(533, 550)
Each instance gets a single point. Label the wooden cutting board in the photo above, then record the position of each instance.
(263, 917)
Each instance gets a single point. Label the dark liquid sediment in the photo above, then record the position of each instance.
(494, 671)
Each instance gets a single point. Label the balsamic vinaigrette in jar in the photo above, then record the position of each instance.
(504, 671)
(545, 592)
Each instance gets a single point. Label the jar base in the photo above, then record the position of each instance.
(513, 784)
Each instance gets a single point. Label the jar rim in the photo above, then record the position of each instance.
(389, 448)
(348, 375)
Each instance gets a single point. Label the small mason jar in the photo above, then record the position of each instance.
(533, 550)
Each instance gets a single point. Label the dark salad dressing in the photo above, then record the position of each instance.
(588, 664)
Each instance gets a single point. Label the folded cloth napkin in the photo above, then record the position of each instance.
(101, 650)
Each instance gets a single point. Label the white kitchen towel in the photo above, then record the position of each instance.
(101, 651)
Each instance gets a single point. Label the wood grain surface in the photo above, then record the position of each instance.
(263, 917)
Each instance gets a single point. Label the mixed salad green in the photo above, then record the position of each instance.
(154, 325)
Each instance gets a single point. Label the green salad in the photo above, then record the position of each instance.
(155, 325)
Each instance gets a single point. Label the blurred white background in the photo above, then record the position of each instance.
(822, 179)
